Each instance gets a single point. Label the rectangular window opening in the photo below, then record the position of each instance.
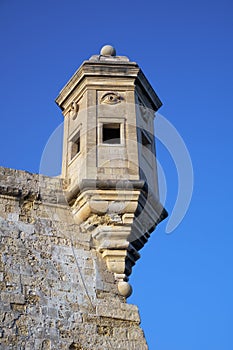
(111, 133)
(146, 141)
(75, 146)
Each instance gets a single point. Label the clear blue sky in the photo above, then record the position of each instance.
(183, 283)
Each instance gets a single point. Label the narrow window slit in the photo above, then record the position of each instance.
(75, 146)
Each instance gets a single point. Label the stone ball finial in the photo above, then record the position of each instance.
(108, 50)
(124, 289)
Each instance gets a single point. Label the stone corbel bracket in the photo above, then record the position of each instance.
(120, 218)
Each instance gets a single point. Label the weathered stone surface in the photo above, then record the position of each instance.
(109, 162)
(56, 292)
(68, 244)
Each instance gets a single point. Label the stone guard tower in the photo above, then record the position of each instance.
(68, 244)
(109, 161)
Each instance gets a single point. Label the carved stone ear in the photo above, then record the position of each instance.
(111, 98)
(74, 107)
(142, 108)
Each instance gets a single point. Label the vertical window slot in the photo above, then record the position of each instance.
(75, 146)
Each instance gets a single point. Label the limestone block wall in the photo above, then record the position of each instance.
(56, 292)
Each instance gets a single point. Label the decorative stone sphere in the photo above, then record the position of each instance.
(108, 50)
(124, 289)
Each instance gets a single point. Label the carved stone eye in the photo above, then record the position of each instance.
(111, 98)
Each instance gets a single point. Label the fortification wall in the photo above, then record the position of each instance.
(56, 292)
